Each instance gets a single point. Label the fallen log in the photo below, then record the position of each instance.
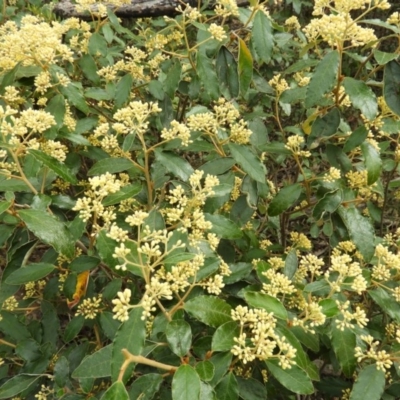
(137, 8)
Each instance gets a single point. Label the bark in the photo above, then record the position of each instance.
(137, 8)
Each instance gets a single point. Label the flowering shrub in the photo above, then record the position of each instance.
(203, 206)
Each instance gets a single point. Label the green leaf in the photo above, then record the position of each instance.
(123, 90)
(294, 379)
(361, 96)
(223, 338)
(89, 68)
(207, 75)
(245, 67)
(56, 107)
(97, 365)
(126, 192)
(329, 203)
(218, 166)
(262, 36)
(111, 165)
(4, 206)
(116, 391)
(250, 163)
(59, 168)
(223, 227)
(285, 198)
(179, 337)
(329, 307)
(291, 264)
(29, 273)
(391, 86)
(251, 389)
(370, 384)
(73, 328)
(386, 302)
(130, 336)
(61, 371)
(210, 310)
(372, 161)
(356, 138)
(360, 230)
(266, 302)
(145, 387)
(205, 370)
(227, 72)
(323, 79)
(173, 259)
(50, 230)
(173, 77)
(324, 126)
(16, 385)
(97, 44)
(174, 164)
(383, 57)
(74, 93)
(84, 263)
(106, 247)
(227, 388)
(221, 362)
(185, 383)
(344, 343)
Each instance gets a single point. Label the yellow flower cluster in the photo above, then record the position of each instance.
(294, 144)
(381, 357)
(89, 308)
(99, 7)
(258, 339)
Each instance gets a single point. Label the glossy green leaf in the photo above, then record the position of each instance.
(222, 362)
(329, 203)
(179, 337)
(248, 161)
(227, 388)
(97, 44)
(227, 72)
(356, 138)
(56, 107)
(386, 302)
(131, 336)
(370, 384)
(210, 310)
(251, 389)
(323, 79)
(61, 371)
(382, 57)
(223, 338)
(344, 343)
(293, 379)
(185, 383)
(17, 384)
(324, 127)
(373, 162)
(262, 36)
(145, 387)
(106, 247)
(291, 264)
(111, 165)
(126, 192)
(217, 166)
(123, 90)
(29, 273)
(266, 302)
(360, 230)
(74, 93)
(173, 77)
(361, 96)
(329, 307)
(73, 328)
(89, 68)
(245, 67)
(205, 370)
(84, 263)
(59, 168)
(174, 164)
(224, 227)
(116, 391)
(50, 230)
(285, 198)
(97, 365)
(207, 75)
(391, 86)
(4, 206)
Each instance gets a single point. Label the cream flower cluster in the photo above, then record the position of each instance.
(294, 144)
(221, 125)
(99, 7)
(258, 339)
(91, 205)
(381, 357)
(34, 42)
(311, 316)
(347, 317)
(90, 308)
(386, 266)
(226, 8)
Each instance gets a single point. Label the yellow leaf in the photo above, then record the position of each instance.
(307, 124)
(80, 289)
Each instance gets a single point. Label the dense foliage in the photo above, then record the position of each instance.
(200, 207)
